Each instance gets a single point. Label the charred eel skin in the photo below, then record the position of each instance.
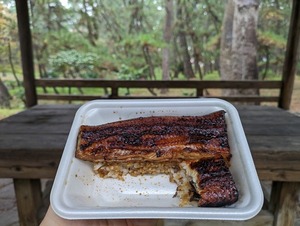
(155, 138)
(214, 186)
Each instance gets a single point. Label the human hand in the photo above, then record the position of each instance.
(52, 219)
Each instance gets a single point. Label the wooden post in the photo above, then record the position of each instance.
(29, 199)
(114, 92)
(26, 52)
(289, 67)
(199, 92)
(283, 202)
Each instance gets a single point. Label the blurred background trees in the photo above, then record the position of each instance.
(148, 39)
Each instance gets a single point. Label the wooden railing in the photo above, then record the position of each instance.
(199, 86)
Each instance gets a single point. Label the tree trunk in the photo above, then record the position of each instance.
(4, 96)
(148, 61)
(136, 18)
(266, 68)
(12, 64)
(213, 14)
(91, 36)
(195, 43)
(226, 43)
(167, 38)
(197, 56)
(244, 45)
(238, 59)
(187, 66)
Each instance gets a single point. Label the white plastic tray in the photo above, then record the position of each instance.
(78, 193)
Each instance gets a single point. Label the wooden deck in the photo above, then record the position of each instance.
(31, 144)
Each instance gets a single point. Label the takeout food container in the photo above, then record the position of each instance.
(78, 193)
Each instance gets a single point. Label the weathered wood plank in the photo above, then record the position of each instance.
(283, 201)
(114, 85)
(94, 97)
(47, 127)
(40, 165)
(29, 198)
(25, 172)
(266, 114)
(242, 84)
(269, 121)
(264, 218)
(42, 116)
(284, 146)
(72, 97)
(37, 145)
(271, 129)
(265, 111)
(255, 110)
(275, 164)
(278, 175)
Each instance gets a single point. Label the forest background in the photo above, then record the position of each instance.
(144, 39)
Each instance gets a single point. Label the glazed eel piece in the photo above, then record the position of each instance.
(155, 138)
(212, 183)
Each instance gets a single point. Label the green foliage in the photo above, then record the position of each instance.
(63, 40)
(273, 76)
(214, 43)
(271, 39)
(150, 39)
(17, 93)
(8, 38)
(212, 76)
(131, 73)
(72, 62)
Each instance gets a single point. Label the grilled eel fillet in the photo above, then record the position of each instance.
(193, 150)
(155, 139)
